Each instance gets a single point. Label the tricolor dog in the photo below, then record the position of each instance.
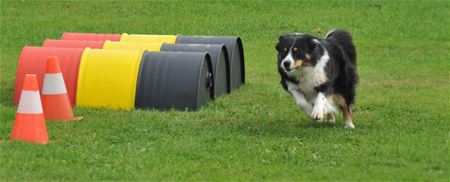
(319, 72)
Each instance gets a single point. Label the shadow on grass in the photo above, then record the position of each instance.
(285, 128)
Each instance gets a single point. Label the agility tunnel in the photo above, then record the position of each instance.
(107, 78)
(233, 45)
(33, 60)
(219, 62)
(102, 44)
(174, 80)
(127, 71)
(218, 53)
(235, 52)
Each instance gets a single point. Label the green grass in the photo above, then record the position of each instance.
(256, 133)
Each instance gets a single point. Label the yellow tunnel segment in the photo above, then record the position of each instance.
(170, 39)
(107, 78)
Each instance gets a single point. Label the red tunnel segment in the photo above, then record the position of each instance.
(73, 44)
(33, 60)
(90, 36)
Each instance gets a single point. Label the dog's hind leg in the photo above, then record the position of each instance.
(330, 118)
(346, 111)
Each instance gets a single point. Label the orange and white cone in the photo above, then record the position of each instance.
(29, 124)
(55, 100)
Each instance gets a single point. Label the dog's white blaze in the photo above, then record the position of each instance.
(290, 59)
(320, 76)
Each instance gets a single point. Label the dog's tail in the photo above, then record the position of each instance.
(345, 39)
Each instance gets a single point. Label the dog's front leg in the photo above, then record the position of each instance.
(301, 102)
(321, 107)
(319, 110)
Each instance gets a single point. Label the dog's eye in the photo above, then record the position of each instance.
(295, 49)
(285, 49)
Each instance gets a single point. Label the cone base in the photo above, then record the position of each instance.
(77, 118)
(74, 119)
(30, 128)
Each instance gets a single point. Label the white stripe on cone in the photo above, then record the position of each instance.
(53, 84)
(30, 103)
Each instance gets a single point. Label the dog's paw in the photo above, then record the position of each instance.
(349, 125)
(317, 114)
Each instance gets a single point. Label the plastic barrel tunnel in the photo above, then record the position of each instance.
(73, 43)
(107, 78)
(90, 36)
(33, 60)
(219, 60)
(235, 53)
(177, 80)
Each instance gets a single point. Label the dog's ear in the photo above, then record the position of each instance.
(281, 38)
(277, 46)
(313, 43)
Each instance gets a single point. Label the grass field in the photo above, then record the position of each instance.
(256, 133)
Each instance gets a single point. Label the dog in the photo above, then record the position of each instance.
(319, 72)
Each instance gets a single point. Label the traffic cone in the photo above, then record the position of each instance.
(55, 100)
(29, 124)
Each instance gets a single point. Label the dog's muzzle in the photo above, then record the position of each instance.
(289, 65)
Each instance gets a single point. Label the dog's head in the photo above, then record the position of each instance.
(296, 51)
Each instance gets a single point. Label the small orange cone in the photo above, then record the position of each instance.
(55, 100)
(30, 122)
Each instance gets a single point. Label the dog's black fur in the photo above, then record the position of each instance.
(340, 69)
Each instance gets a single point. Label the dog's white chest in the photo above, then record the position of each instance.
(305, 85)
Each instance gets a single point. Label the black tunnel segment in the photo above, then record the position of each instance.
(235, 54)
(179, 80)
(219, 60)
